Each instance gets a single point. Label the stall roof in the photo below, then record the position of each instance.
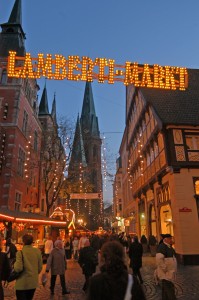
(20, 216)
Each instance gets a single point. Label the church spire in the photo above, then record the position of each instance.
(12, 36)
(89, 120)
(78, 153)
(54, 111)
(43, 106)
(16, 15)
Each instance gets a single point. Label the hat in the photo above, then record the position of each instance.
(167, 235)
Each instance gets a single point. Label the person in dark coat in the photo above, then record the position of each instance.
(113, 280)
(57, 264)
(11, 251)
(135, 255)
(4, 269)
(88, 262)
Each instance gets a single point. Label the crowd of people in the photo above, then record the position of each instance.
(118, 256)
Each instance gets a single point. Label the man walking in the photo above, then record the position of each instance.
(135, 255)
(166, 267)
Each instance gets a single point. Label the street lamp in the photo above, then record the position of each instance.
(80, 221)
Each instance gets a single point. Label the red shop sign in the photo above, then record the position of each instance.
(185, 209)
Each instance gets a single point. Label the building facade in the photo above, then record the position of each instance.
(28, 134)
(19, 125)
(161, 139)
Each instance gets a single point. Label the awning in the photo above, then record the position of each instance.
(28, 217)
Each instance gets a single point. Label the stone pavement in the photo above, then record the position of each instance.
(187, 284)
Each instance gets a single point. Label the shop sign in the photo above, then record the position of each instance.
(85, 196)
(84, 68)
(185, 209)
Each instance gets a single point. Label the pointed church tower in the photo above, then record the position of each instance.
(78, 153)
(87, 151)
(12, 36)
(54, 111)
(43, 106)
(89, 120)
(91, 138)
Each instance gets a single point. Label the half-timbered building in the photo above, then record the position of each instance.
(162, 142)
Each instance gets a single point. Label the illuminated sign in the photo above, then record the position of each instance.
(101, 69)
(85, 196)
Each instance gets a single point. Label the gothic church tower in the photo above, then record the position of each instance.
(86, 154)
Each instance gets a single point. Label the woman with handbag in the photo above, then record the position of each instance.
(30, 263)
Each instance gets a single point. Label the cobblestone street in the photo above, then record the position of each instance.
(187, 285)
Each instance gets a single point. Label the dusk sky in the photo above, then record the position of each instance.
(153, 32)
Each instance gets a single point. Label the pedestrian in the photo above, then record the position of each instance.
(88, 261)
(166, 267)
(57, 264)
(48, 247)
(75, 244)
(67, 247)
(135, 255)
(113, 282)
(11, 251)
(4, 269)
(82, 240)
(29, 260)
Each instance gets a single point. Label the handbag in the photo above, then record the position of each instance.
(15, 275)
(128, 295)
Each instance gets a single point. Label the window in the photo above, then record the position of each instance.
(4, 77)
(35, 141)
(25, 122)
(42, 204)
(156, 150)
(17, 201)
(192, 142)
(95, 152)
(21, 162)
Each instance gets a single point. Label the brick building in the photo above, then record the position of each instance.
(28, 134)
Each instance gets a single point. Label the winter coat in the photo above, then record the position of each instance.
(135, 255)
(11, 251)
(4, 266)
(166, 262)
(31, 264)
(56, 262)
(88, 260)
(103, 286)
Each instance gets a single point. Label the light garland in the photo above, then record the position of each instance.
(76, 68)
(28, 156)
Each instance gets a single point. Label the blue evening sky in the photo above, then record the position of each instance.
(153, 32)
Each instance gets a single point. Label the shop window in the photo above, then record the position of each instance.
(196, 188)
(196, 183)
